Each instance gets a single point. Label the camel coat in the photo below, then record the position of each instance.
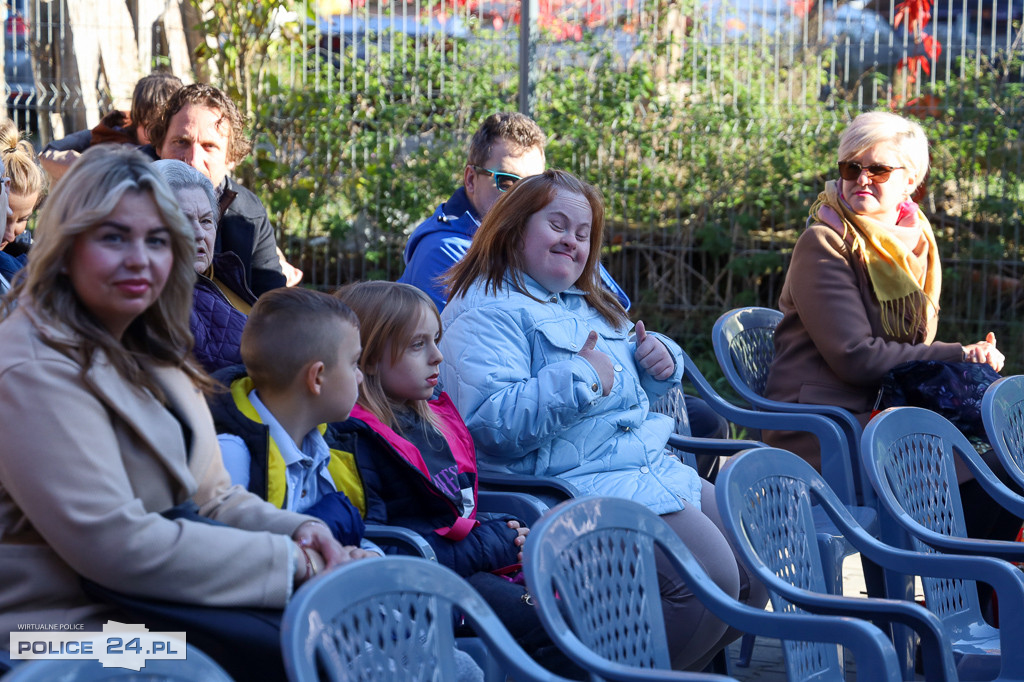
(830, 347)
(87, 463)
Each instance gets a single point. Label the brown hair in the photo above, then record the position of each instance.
(496, 250)
(518, 130)
(151, 95)
(288, 329)
(388, 313)
(200, 94)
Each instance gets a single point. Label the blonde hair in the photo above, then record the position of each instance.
(905, 137)
(19, 160)
(388, 313)
(89, 192)
(496, 249)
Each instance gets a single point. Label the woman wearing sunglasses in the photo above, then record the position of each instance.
(862, 291)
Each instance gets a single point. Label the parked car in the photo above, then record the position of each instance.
(338, 32)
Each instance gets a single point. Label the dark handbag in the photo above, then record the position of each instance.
(952, 389)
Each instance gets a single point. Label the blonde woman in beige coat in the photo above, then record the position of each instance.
(105, 425)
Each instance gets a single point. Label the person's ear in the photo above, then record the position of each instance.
(315, 377)
(469, 179)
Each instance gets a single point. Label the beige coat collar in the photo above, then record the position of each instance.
(152, 423)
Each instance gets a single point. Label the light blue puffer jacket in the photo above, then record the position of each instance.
(535, 407)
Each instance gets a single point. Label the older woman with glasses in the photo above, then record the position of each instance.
(862, 291)
(862, 294)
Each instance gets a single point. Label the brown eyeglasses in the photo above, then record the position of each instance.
(851, 170)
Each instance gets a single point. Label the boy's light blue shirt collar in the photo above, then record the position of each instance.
(314, 446)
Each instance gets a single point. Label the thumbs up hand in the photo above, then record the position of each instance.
(652, 355)
(601, 362)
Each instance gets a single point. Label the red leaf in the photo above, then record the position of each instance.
(917, 13)
(801, 8)
(932, 47)
(911, 64)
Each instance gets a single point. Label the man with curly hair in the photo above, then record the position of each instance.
(202, 127)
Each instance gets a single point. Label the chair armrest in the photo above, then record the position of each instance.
(707, 447)
(997, 490)
(550, 490)
(400, 538)
(834, 443)
(844, 418)
(1009, 551)
(524, 507)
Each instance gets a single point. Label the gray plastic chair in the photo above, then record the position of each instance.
(909, 460)
(835, 457)
(1002, 411)
(391, 619)
(590, 563)
(744, 343)
(765, 497)
(195, 667)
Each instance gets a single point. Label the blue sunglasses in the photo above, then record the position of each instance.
(502, 180)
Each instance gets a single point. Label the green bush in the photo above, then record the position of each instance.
(708, 170)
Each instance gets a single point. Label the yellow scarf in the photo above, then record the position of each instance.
(908, 296)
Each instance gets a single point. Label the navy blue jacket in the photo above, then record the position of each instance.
(400, 495)
(10, 265)
(215, 324)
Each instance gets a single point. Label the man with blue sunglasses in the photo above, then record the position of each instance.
(506, 148)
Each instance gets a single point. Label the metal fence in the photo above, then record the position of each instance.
(709, 125)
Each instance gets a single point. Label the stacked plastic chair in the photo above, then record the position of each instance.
(590, 563)
(744, 345)
(391, 619)
(909, 460)
(1002, 411)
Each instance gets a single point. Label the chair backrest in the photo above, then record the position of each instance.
(590, 566)
(744, 343)
(769, 507)
(195, 666)
(606, 579)
(1002, 411)
(908, 455)
(765, 498)
(744, 346)
(672, 404)
(391, 619)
